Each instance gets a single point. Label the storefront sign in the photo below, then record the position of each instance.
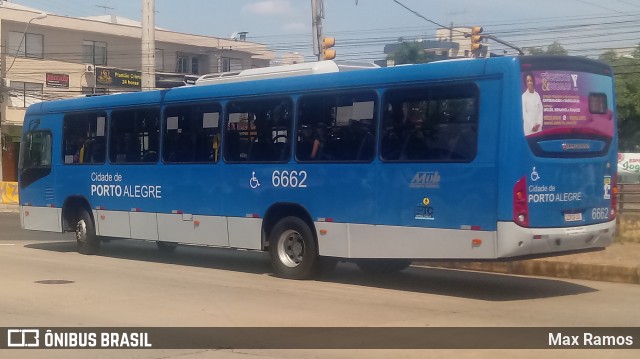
(629, 163)
(57, 80)
(118, 78)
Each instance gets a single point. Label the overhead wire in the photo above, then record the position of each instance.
(616, 28)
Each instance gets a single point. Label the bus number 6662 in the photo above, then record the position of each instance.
(600, 213)
(289, 179)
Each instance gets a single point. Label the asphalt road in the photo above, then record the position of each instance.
(44, 282)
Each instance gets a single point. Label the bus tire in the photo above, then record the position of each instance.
(86, 238)
(381, 266)
(166, 247)
(293, 250)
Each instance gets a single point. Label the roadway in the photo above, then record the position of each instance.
(44, 282)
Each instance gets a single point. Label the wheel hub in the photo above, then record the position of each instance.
(81, 231)
(291, 248)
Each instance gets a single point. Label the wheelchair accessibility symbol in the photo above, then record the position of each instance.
(534, 175)
(253, 182)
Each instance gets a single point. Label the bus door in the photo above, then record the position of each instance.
(37, 204)
(568, 172)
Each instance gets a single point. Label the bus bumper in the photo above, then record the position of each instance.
(515, 241)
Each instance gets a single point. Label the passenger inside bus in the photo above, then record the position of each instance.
(311, 143)
(414, 146)
(260, 148)
(82, 154)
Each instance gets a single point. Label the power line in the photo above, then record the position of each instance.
(421, 16)
(596, 5)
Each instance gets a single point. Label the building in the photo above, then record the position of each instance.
(440, 50)
(53, 57)
(456, 35)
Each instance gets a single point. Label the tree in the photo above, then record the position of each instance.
(626, 70)
(554, 49)
(410, 53)
(536, 51)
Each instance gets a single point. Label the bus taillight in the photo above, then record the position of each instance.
(614, 197)
(520, 204)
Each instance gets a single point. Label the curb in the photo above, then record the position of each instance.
(548, 268)
(9, 208)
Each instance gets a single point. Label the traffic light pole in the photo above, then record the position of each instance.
(491, 37)
(317, 14)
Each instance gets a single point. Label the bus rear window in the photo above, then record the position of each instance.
(567, 113)
(598, 103)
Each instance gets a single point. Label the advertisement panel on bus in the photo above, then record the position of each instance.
(568, 118)
(556, 100)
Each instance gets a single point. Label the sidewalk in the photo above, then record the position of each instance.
(9, 208)
(619, 262)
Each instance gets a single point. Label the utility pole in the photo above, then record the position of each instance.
(317, 14)
(148, 45)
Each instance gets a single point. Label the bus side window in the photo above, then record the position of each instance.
(190, 133)
(258, 130)
(135, 136)
(336, 127)
(430, 124)
(83, 138)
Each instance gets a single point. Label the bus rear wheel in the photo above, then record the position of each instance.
(86, 238)
(381, 266)
(293, 250)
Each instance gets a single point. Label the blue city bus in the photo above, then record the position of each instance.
(472, 159)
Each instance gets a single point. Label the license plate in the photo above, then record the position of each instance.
(572, 217)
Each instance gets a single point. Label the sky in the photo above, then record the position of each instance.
(362, 27)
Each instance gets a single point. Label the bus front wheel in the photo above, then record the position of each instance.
(293, 250)
(86, 238)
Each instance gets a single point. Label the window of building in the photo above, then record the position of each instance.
(195, 68)
(430, 124)
(192, 133)
(159, 60)
(94, 52)
(258, 130)
(24, 94)
(188, 63)
(229, 64)
(182, 64)
(26, 45)
(134, 136)
(336, 127)
(83, 138)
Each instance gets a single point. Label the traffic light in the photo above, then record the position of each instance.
(327, 52)
(476, 38)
